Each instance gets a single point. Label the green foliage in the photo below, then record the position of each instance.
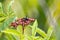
(49, 2)
(34, 27)
(28, 8)
(23, 36)
(6, 23)
(49, 33)
(9, 36)
(2, 0)
(42, 33)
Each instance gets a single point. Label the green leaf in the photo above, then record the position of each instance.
(27, 30)
(10, 11)
(2, 18)
(35, 38)
(29, 37)
(10, 4)
(19, 29)
(7, 22)
(3, 37)
(9, 36)
(2, 15)
(41, 32)
(11, 31)
(49, 33)
(1, 9)
(38, 38)
(34, 28)
(0, 34)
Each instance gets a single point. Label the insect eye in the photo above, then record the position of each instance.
(25, 19)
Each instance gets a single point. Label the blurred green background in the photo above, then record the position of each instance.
(47, 12)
